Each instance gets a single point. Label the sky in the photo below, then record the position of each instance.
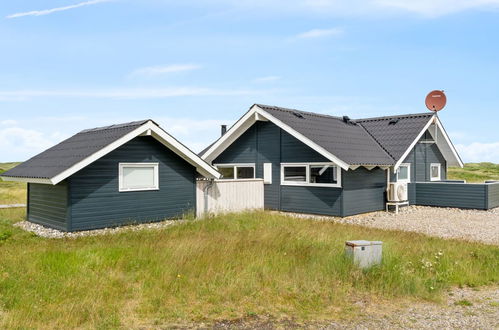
(192, 65)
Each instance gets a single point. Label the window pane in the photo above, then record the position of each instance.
(435, 172)
(295, 173)
(323, 174)
(245, 172)
(138, 177)
(227, 172)
(403, 173)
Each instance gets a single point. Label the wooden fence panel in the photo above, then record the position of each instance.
(229, 196)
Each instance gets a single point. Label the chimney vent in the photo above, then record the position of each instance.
(223, 129)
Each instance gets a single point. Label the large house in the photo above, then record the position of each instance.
(315, 163)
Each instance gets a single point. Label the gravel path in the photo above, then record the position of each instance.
(473, 225)
(463, 309)
(46, 232)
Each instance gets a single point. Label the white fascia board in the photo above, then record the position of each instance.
(303, 139)
(258, 114)
(457, 159)
(203, 168)
(231, 135)
(406, 153)
(27, 180)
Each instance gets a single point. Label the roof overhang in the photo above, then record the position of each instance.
(439, 135)
(147, 129)
(258, 114)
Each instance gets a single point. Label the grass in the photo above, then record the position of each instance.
(463, 302)
(225, 267)
(11, 192)
(475, 172)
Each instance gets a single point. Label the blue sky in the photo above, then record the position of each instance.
(192, 65)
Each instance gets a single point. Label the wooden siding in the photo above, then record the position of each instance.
(493, 195)
(263, 143)
(230, 196)
(471, 196)
(48, 205)
(96, 201)
(421, 157)
(364, 191)
(313, 200)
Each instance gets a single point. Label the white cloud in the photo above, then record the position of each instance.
(8, 122)
(160, 70)
(318, 33)
(266, 79)
(57, 9)
(435, 8)
(479, 152)
(121, 93)
(341, 8)
(18, 144)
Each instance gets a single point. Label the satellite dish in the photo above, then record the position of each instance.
(435, 100)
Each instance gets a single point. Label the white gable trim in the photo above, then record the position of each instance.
(257, 113)
(453, 158)
(149, 128)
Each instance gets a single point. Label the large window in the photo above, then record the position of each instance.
(236, 171)
(435, 172)
(311, 174)
(404, 173)
(138, 176)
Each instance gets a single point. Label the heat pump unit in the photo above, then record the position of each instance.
(397, 192)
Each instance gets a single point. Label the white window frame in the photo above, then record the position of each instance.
(439, 172)
(307, 178)
(120, 176)
(408, 180)
(235, 166)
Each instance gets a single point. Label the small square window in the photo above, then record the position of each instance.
(245, 172)
(404, 173)
(323, 174)
(138, 176)
(435, 172)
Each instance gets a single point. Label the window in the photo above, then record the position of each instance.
(312, 174)
(138, 176)
(236, 171)
(295, 174)
(404, 173)
(435, 171)
(323, 174)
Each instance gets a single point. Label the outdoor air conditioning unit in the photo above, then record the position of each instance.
(397, 192)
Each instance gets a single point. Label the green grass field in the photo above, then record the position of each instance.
(227, 267)
(475, 172)
(11, 192)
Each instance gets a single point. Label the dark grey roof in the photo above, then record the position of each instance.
(350, 142)
(396, 133)
(71, 151)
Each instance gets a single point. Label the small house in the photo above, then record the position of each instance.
(320, 164)
(110, 176)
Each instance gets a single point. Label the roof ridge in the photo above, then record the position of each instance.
(114, 126)
(409, 115)
(301, 111)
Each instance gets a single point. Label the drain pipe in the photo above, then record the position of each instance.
(205, 191)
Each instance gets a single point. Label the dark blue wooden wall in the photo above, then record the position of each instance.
(264, 142)
(48, 205)
(95, 199)
(493, 195)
